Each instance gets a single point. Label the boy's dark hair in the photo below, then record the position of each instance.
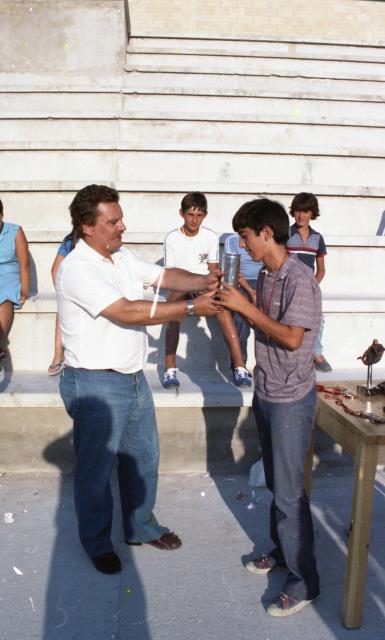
(260, 213)
(1, 207)
(194, 199)
(84, 206)
(305, 202)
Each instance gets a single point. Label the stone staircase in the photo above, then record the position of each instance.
(233, 118)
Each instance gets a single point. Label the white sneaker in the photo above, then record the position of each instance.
(170, 380)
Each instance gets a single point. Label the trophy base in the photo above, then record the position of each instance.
(362, 390)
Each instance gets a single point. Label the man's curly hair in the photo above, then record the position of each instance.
(84, 206)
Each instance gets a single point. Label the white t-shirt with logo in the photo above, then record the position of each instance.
(191, 253)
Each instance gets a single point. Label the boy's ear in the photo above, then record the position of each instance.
(267, 233)
(181, 212)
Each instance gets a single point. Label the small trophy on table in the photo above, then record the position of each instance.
(372, 355)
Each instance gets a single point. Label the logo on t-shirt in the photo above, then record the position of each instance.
(203, 257)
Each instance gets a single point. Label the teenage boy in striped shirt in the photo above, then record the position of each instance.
(286, 320)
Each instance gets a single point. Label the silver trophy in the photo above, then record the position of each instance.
(230, 266)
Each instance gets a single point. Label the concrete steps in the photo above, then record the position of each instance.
(209, 414)
(197, 137)
(258, 47)
(234, 118)
(68, 103)
(220, 172)
(42, 208)
(246, 66)
(351, 323)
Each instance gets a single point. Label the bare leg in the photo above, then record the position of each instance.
(59, 351)
(6, 319)
(229, 331)
(172, 331)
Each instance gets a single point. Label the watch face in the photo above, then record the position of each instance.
(190, 308)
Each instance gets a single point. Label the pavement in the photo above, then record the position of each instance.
(50, 591)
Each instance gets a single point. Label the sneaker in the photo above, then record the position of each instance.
(170, 380)
(241, 377)
(286, 605)
(321, 364)
(263, 565)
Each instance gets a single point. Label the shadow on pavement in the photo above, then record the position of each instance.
(82, 603)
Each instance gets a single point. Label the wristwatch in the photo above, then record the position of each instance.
(190, 308)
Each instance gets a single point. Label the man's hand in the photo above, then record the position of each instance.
(205, 305)
(231, 298)
(211, 281)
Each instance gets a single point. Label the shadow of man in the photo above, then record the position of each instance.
(82, 602)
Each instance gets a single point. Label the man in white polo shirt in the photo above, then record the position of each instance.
(103, 317)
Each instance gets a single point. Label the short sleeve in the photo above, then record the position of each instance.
(213, 249)
(65, 247)
(169, 257)
(321, 247)
(146, 272)
(300, 303)
(232, 244)
(85, 287)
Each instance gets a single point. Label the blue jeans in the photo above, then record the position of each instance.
(113, 418)
(285, 432)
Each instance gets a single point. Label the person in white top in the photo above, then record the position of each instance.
(196, 248)
(102, 317)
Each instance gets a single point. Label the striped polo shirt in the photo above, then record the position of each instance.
(281, 374)
(308, 251)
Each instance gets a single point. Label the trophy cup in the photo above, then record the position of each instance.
(230, 266)
(372, 355)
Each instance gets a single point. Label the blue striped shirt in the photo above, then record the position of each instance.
(308, 251)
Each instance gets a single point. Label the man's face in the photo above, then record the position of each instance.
(254, 244)
(193, 219)
(106, 235)
(302, 218)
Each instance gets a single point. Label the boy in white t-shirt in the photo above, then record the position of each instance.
(196, 249)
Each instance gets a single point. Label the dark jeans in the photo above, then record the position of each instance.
(113, 418)
(285, 433)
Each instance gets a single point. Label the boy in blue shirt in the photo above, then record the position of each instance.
(249, 270)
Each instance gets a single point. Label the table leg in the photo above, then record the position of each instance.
(309, 464)
(364, 473)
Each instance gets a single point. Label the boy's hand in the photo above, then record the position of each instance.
(231, 298)
(205, 305)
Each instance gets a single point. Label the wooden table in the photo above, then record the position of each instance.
(366, 443)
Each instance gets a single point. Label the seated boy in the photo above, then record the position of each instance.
(195, 248)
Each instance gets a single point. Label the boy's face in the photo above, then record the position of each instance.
(193, 219)
(254, 244)
(302, 218)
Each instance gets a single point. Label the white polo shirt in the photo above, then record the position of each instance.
(87, 283)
